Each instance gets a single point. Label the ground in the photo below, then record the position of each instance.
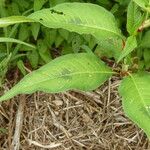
(72, 120)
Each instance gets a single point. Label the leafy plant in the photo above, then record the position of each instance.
(84, 70)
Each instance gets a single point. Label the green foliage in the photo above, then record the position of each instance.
(145, 40)
(130, 45)
(3, 39)
(66, 16)
(4, 22)
(3, 67)
(71, 28)
(134, 18)
(38, 4)
(83, 71)
(143, 3)
(21, 66)
(135, 91)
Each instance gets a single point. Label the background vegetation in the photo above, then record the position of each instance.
(50, 42)
(17, 59)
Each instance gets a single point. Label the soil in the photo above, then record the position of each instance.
(72, 120)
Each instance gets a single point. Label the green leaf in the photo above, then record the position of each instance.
(134, 18)
(145, 40)
(59, 40)
(77, 41)
(83, 18)
(82, 71)
(4, 22)
(114, 9)
(23, 4)
(109, 48)
(56, 2)
(130, 45)
(146, 54)
(4, 67)
(33, 57)
(4, 39)
(50, 36)
(38, 4)
(64, 33)
(44, 51)
(98, 21)
(24, 32)
(21, 67)
(92, 43)
(35, 28)
(142, 3)
(15, 8)
(67, 49)
(135, 91)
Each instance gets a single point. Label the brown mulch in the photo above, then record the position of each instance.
(69, 121)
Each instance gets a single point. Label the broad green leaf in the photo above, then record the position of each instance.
(4, 39)
(83, 18)
(82, 71)
(4, 22)
(142, 3)
(145, 40)
(134, 18)
(98, 21)
(130, 45)
(135, 91)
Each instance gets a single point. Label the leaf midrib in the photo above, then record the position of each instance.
(71, 74)
(85, 26)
